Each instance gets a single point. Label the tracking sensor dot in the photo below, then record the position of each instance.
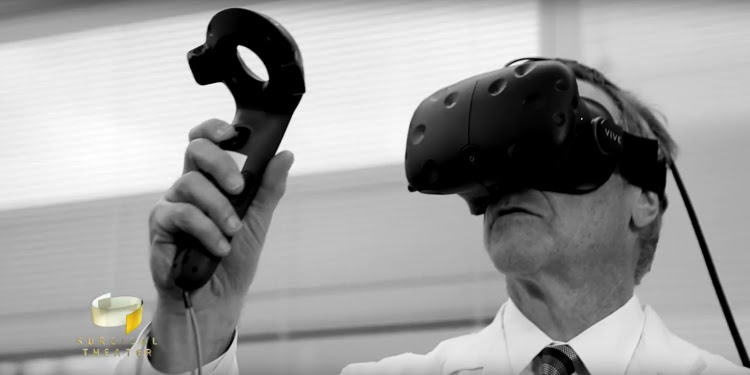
(523, 69)
(450, 100)
(497, 86)
(418, 134)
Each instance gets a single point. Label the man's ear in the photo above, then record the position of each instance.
(645, 208)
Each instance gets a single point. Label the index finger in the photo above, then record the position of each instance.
(214, 130)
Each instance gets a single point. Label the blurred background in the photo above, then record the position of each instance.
(97, 100)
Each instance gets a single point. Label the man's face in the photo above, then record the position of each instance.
(529, 231)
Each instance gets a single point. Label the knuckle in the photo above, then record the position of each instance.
(196, 145)
(214, 122)
(273, 195)
(191, 177)
(182, 214)
(280, 191)
(207, 156)
(223, 207)
(183, 187)
(194, 133)
(199, 130)
(154, 213)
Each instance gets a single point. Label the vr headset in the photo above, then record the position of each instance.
(522, 126)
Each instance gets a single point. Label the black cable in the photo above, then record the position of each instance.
(711, 269)
(196, 333)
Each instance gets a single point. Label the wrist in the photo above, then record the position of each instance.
(175, 347)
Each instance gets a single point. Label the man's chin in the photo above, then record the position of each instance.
(522, 256)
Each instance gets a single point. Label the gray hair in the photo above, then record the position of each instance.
(638, 119)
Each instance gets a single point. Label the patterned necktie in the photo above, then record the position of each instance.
(557, 360)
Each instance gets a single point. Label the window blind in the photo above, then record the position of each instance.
(105, 112)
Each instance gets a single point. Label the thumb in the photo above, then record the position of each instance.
(273, 185)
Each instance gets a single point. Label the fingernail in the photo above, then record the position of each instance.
(224, 128)
(224, 247)
(234, 223)
(235, 182)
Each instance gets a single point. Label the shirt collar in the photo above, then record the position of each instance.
(606, 347)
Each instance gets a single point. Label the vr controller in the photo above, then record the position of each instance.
(522, 126)
(264, 110)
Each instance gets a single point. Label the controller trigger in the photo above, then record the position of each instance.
(239, 140)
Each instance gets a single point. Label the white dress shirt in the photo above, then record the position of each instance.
(604, 348)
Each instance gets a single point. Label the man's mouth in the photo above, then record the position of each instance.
(512, 210)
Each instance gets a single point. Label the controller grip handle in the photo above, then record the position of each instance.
(193, 265)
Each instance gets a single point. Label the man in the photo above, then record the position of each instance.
(571, 264)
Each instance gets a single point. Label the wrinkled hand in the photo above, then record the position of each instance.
(195, 206)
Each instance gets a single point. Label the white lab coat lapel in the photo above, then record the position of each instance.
(482, 354)
(660, 352)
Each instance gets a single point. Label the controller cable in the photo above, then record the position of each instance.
(711, 269)
(196, 334)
